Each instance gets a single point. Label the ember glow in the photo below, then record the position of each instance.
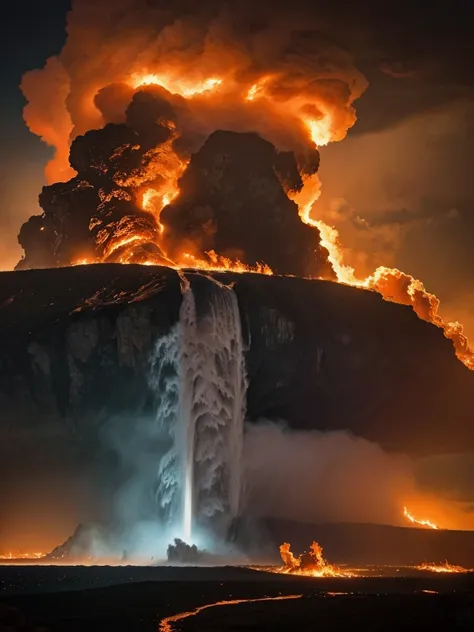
(393, 284)
(422, 523)
(310, 564)
(445, 567)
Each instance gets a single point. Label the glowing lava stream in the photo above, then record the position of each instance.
(423, 523)
(166, 625)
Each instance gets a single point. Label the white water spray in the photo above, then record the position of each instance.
(200, 474)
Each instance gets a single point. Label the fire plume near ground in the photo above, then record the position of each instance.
(313, 564)
(310, 564)
(189, 143)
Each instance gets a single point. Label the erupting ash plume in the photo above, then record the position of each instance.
(134, 115)
(189, 138)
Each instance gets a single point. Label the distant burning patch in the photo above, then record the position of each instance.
(310, 564)
(21, 555)
(444, 567)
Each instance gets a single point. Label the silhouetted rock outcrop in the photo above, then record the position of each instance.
(233, 200)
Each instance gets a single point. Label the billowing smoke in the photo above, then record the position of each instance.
(154, 83)
(400, 287)
(324, 477)
(113, 46)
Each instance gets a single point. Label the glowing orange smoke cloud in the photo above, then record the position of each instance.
(296, 91)
(394, 285)
(422, 523)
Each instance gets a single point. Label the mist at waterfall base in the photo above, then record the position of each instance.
(197, 471)
(182, 468)
(298, 476)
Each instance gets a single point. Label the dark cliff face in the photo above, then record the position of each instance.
(76, 346)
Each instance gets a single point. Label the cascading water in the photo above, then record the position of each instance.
(201, 408)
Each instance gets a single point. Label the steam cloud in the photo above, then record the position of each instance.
(300, 476)
(317, 477)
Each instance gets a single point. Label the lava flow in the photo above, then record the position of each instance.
(310, 564)
(166, 624)
(422, 523)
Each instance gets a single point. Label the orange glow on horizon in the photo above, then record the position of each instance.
(18, 555)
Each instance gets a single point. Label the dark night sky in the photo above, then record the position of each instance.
(31, 32)
(405, 167)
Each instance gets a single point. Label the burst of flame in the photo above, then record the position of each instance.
(320, 130)
(84, 261)
(312, 564)
(445, 567)
(174, 85)
(423, 523)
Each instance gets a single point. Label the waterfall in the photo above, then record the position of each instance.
(201, 409)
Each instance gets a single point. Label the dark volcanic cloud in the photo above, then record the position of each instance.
(418, 61)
